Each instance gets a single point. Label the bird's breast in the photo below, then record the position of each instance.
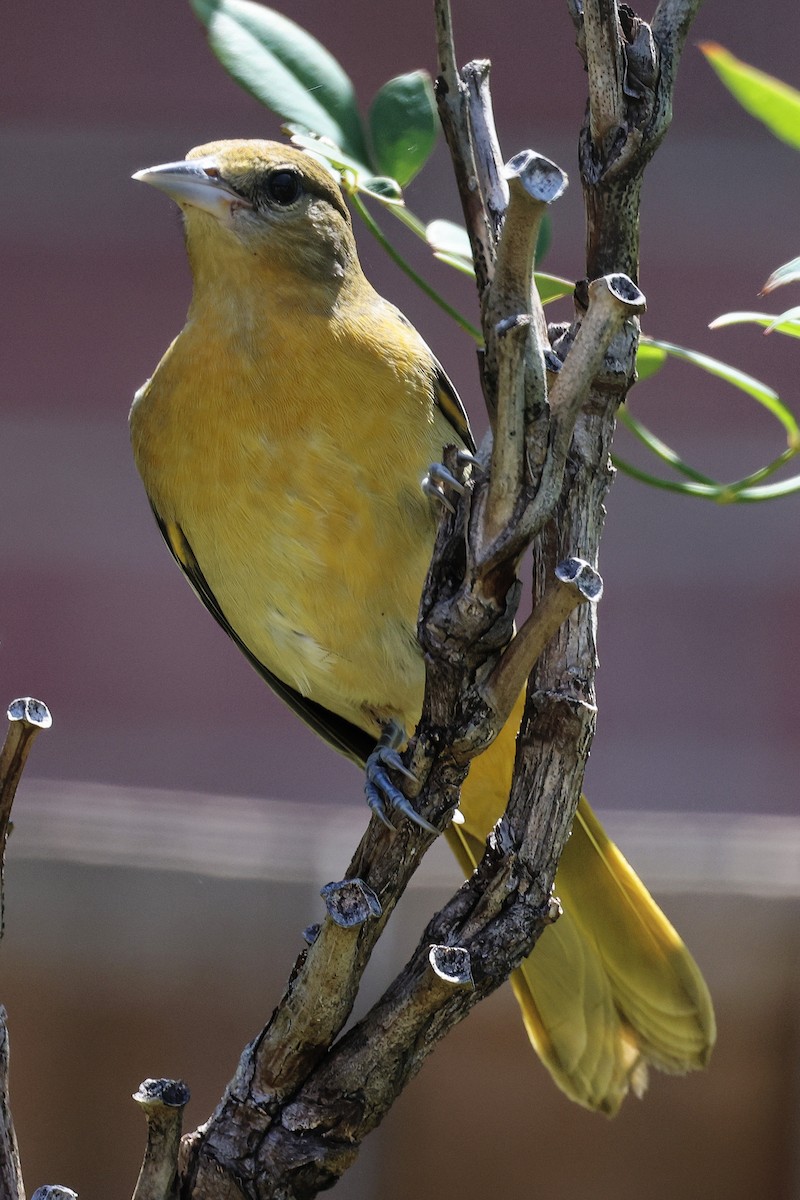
(298, 489)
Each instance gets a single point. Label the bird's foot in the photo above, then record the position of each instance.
(439, 479)
(379, 789)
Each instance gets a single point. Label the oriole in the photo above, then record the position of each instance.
(282, 442)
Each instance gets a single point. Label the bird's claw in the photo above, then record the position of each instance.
(439, 478)
(380, 790)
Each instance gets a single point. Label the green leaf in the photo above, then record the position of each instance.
(383, 188)
(660, 448)
(349, 171)
(788, 273)
(719, 493)
(450, 244)
(746, 383)
(765, 97)
(455, 261)
(403, 125)
(788, 322)
(552, 287)
(285, 68)
(771, 491)
(649, 359)
(544, 239)
(446, 237)
(396, 256)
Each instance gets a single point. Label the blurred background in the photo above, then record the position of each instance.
(176, 824)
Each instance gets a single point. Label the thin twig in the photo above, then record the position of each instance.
(26, 717)
(11, 1186)
(162, 1101)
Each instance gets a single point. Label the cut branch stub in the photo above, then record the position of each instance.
(515, 364)
(26, 718)
(162, 1101)
(612, 299)
(575, 582)
(534, 182)
(54, 1191)
(350, 902)
(452, 964)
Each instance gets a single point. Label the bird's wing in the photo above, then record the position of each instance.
(449, 404)
(341, 734)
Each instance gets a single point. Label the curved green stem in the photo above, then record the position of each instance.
(721, 493)
(769, 469)
(397, 258)
(410, 220)
(661, 449)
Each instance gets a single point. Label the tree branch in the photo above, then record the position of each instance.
(11, 1187)
(26, 718)
(301, 1101)
(162, 1101)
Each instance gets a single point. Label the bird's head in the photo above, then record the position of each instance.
(244, 199)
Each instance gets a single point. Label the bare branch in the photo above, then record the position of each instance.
(465, 109)
(26, 718)
(305, 1095)
(162, 1101)
(575, 582)
(606, 69)
(11, 1186)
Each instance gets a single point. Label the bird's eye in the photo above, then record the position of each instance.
(284, 187)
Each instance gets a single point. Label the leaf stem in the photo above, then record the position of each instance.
(661, 449)
(397, 258)
(739, 492)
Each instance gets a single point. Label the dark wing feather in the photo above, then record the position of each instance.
(341, 734)
(449, 404)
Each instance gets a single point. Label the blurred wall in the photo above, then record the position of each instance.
(151, 933)
(698, 630)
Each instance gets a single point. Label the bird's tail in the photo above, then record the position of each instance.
(610, 988)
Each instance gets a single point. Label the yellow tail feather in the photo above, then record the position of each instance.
(610, 987)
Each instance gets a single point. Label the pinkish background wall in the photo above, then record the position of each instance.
(698, 627)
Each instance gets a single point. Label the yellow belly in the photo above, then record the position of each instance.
(293, 531)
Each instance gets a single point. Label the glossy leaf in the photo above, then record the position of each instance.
(349, 173)
(552, 287)
(788, 273)
(649, 359)
(788, 322)
(285, 68)
(765, 395)
(379, 235)
(660, 448)
(403, 125)
(383, 188)
(768, 99)
(446, 237)
(718, 493)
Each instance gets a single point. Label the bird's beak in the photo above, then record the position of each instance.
(196, 183)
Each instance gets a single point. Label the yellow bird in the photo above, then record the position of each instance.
(283, 441)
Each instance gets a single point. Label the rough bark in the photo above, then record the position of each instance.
(304, 1097)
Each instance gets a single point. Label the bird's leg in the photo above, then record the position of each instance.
(378, 786)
